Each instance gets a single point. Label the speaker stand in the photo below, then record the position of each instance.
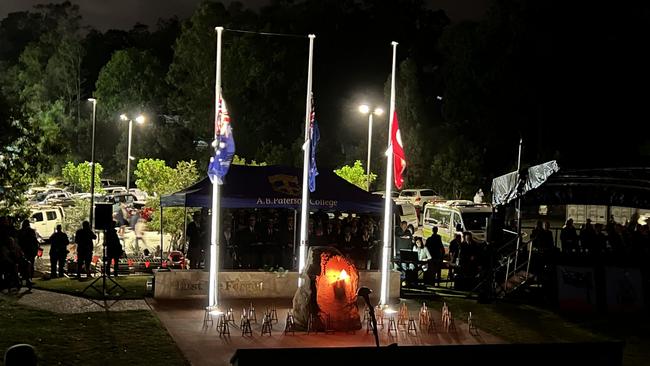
(105, 290)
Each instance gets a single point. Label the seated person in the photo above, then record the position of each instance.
(423, 254)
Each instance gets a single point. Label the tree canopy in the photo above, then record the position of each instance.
(468, 88)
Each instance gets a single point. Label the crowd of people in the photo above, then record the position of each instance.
(265, 238)
(612, 240)
(630, 239)
(463, 259)
(19, 249)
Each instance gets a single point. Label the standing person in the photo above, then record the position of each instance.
(454, 253)
(246, 238)
(588, 237)
(58, 252)
(139, 234)
(84, 238)
(478, 197)
(569, 237)
(437, 251)
(194, 246)
(113, 250)
(28, 243)
(363, 255)
(230, 258)
(469, 261)
(548, 241)
(287, 239)
(270, 238)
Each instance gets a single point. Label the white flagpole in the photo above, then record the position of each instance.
(388, 230)
(213, 299)
(304, 211)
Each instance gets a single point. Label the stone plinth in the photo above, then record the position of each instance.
(193, 284)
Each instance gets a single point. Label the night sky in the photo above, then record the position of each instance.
(123, 14)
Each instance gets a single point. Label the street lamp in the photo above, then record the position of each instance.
(365, 109)
(140, 120)
(92, 164)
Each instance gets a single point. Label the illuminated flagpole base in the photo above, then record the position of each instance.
(301, 264)
(214, 247)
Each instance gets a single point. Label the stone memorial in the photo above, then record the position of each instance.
(328, 292)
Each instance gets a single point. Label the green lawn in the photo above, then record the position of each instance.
(105, 338)
(135, 286)
(520, 323)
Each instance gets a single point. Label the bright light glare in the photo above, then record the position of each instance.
(123, 117)
(140, 119)
(364, 109)
(378, 111)
(92, 100)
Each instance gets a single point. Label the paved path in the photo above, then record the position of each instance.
(203, 346)
(68, 304)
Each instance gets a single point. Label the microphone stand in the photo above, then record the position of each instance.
(364, 292)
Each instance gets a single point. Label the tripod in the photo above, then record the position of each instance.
(104, 290)
(364, 292)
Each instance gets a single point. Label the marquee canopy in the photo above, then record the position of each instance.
(277, 187)
(626, 187)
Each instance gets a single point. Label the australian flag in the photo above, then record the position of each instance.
(314, 137)
(224, 145)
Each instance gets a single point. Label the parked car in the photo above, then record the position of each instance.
(105, 182)
(127, 198)
(41, 195)
(394, 194)
(417, 197)
(86, 196)
(59, 198)
(34, 191)
(45, 218)
(139, 194)
(114, 190)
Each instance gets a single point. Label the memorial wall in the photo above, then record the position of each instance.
(192, 284)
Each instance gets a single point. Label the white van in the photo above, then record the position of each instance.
(453, 216)
(45, 218)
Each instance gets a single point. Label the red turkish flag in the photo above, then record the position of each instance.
(399, 162)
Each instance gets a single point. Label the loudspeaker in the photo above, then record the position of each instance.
(103, 216)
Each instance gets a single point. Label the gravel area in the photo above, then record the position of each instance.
(67, 304)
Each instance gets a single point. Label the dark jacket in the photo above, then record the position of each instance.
(28, 242)
(59, 247)
(84, 239)
(435, 247)
(113, 245)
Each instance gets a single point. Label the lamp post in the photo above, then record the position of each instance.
(365, 109)
(92, 164)
(140, 120)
